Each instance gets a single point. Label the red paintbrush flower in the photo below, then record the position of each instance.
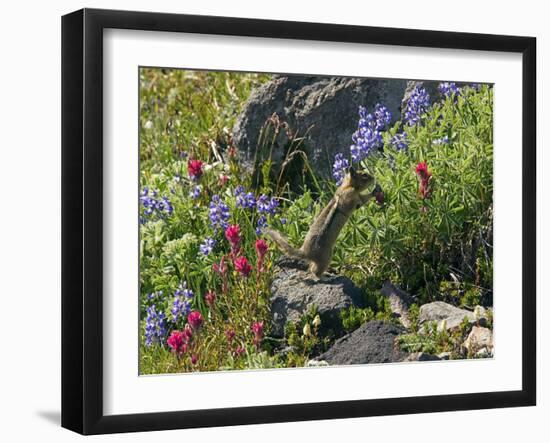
(210, 298)
(258, 330)
(239, 351)
(233, 234)
(220, 268)
(422, 170)
(242, 266)
(424, 176)
(230, 335)
(223, 180)
(187, 333)
(261, 248)
(177, 342)
(195, 320)
(194, 169)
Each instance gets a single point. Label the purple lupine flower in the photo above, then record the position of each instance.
(261, 224)
(382, 117)
(155, 326)
(266, 205)
(154, 295)
(182, 302)
(152, 205)
(167, 205)
(244, 199)
(417, 105)
(218, 213)
(399, 141)
(441, 141)
(368, 136)
(207, 246)
(195, 192)
(339, 168)
(448, 89)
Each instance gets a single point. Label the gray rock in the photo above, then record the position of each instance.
(479, 339)
(444, 356)
(447, 316)
(422, 356)
(323, 110)
(294, 292)
(373, 342)
(400, 302)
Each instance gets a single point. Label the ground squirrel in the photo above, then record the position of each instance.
(321, 237)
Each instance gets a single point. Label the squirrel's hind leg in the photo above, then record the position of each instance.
(317, 269)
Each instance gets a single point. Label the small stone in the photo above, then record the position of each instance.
(447, 317)
(479, 339)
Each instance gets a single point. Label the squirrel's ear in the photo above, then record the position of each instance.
(351, 171)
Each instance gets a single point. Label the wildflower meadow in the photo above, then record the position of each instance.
(206, 264)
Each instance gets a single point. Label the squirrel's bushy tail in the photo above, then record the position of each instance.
(283, 243)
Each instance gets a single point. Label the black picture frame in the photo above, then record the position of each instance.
(82, 218)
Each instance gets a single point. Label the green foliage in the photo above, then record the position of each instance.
(354, 317)
(304, 339)
(187, 111)
(419, 242)
(414, 314)
(436, 340)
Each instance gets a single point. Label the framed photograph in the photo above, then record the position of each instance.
(270, 221)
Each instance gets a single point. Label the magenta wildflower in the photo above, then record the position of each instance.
(242, 266)
(194, 169)
(261, 250)
(195, 320)
(424, 176)
(258, 330)
(233, 234)
(239, 350)
(230, 335)
(210, 298)
(177, 342)
(223, 180)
